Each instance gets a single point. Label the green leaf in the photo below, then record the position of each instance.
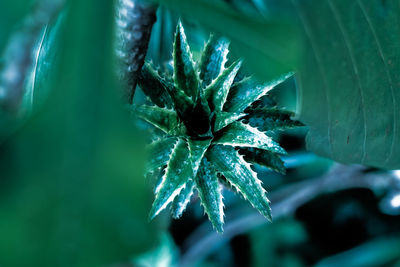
(75, 169)
(210, 194)
(38, 77)
(47, 55)
(155, 87)
(264, 158)
(182, 103)
(213, 59)
(223, 119)
(159, 152)
(197, 149)
(271, 119)
(239, 173)
(164, 119)
(30, 85)
(182, 200)
(349, 80)
(185, 75)
(217, 92)
(245, 92)
(270, 47)
(238, 134)
(178, 172)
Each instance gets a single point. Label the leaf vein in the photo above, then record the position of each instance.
(321, 67)
(388, 76)
(355, 69)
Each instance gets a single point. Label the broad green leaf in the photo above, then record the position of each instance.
(155, 87)
(223, 119)
(210, 194)
(217, 92)
(179, 171)
(238, 134)
(270, 48)
(164, 119)
(213, 59)
(182, 200)
(264, 158)
(349, 80)
(245, 92)
(185, 75)
(271, 119)
(159, 152)
(239, 173)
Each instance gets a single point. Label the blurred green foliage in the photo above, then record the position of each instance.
(286, 233)
(72, 190)
(12, 13)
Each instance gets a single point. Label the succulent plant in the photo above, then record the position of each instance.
(210, 130)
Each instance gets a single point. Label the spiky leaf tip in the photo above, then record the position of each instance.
(213, 59)
(239, 173)
(210, 194)
(179, 170)
(185, 75)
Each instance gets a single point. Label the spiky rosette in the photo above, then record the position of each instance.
(207, 118)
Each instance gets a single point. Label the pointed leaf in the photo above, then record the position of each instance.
(180, 202)
(178, 172)
(268, 119)
(159, 152)
(264, 158)
(238, 134)
(223, 119)
(217, 92)
(156, 177)
(245, 92)
(269, 46)
(164, 119)
(185, 75)
(197, 149)
(238, 172)
(213, 59)
(210, 194)
(155, 87)
(182, 103)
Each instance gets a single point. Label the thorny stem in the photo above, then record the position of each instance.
(135, 20)
(18, 55)
(284, 203)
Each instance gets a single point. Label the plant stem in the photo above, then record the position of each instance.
(135, 20)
